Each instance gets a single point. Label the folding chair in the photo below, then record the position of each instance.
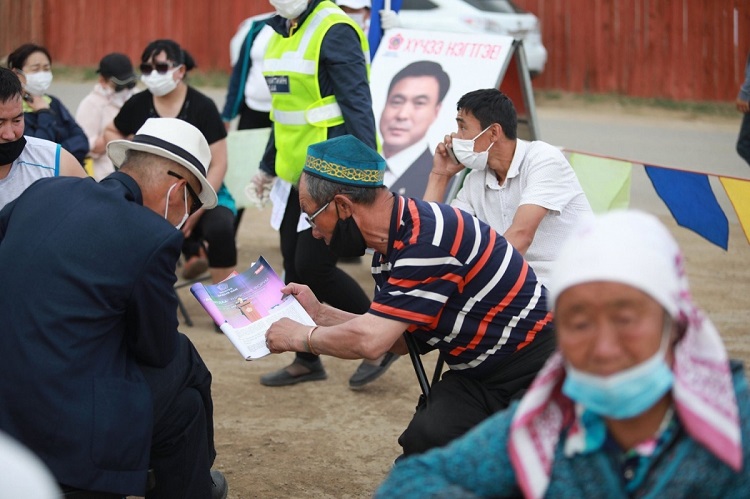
(416, 361)
(181, 283)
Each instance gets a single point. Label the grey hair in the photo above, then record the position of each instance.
(150, 168)
(322, 191)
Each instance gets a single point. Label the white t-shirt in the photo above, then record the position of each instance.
(540, 175)
(39, 159)
(257, 95)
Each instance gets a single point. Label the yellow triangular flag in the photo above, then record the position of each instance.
(738, 192)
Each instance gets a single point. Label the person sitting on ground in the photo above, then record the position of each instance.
(113, 87)
(24, 160)
(527, 191)
(104, 387)
(441, 275)
(164, 66)
(639, 401)
(45, 116)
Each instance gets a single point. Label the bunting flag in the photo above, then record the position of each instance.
(692, 203)
(245, 149)
(606, 182)
(375, 32)
(738, 192)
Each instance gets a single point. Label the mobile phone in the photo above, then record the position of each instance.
(27, 97)
(452, 154)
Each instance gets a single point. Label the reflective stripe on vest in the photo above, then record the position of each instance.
(313, 116)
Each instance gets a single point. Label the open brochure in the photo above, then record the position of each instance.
(245, 305)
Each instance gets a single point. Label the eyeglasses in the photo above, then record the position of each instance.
(197, 203)
(310, 218)
(160, 67)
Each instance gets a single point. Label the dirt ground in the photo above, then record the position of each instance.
(323, 440)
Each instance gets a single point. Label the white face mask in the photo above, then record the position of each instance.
(166, 208)
(360, 19)
(38, 83)
(464, 151)
(118, 98)
(289, 9)
(105, 90)
(160, 85)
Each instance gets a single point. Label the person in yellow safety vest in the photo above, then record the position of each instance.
(317, 69)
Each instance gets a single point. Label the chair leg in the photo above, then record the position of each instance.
(183, 310)
(438, 369)
(416, 361)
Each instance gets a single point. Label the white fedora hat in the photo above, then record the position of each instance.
(173, 139)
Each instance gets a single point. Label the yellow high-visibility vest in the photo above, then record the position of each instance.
(300, 114)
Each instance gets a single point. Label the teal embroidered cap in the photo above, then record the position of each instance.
(345, 160)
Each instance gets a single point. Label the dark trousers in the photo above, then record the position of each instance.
(251, 119)
(309, 261)
(216, 227)
(182, 449)
(457, 402)
(743, 142)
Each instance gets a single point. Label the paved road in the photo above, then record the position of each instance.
(694, 144)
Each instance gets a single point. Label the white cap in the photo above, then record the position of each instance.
(173, 139)
(628, 247)
(354, 4)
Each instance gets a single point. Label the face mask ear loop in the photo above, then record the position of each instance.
(480, 133)
(666, 334)
(166, 205)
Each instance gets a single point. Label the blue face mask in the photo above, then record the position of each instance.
(625, 394)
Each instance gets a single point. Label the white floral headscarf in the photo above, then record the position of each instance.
(632, 248)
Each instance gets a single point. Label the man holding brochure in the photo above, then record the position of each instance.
(441, 275)
(98, 381)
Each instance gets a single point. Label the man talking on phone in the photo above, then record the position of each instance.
(526, 191)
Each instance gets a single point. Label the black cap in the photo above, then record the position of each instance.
(117, 68)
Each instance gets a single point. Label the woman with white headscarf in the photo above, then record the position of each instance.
(639, 400)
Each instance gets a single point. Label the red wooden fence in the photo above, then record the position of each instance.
(80, 32)
(675, 49)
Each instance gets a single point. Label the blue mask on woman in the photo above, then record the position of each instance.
(625, 394)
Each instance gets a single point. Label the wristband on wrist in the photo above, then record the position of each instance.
(309, 340)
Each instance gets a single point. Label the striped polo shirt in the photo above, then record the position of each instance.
(462, 288)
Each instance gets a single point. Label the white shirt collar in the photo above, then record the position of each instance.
(401, 161)
(515, 165)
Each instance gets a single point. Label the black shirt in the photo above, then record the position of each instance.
(198, 110)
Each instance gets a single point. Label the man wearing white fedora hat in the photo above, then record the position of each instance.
(104, 386)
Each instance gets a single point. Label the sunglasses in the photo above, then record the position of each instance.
(310, 218)
(159, 67)
(197, 203)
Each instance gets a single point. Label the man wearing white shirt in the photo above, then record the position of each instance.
(526, 191)
(415, 96)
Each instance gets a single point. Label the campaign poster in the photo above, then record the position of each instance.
(416, 80)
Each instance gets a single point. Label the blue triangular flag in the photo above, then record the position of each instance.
(692, 203)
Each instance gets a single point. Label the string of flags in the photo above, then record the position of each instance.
(688, 195)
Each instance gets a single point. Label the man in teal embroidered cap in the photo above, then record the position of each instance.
(441, 275)
(345, 160)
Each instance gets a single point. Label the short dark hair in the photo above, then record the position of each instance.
(17, 58)
(10, 85)
(172, 49)
(321, 190)
(490, 106)
(424, 68)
